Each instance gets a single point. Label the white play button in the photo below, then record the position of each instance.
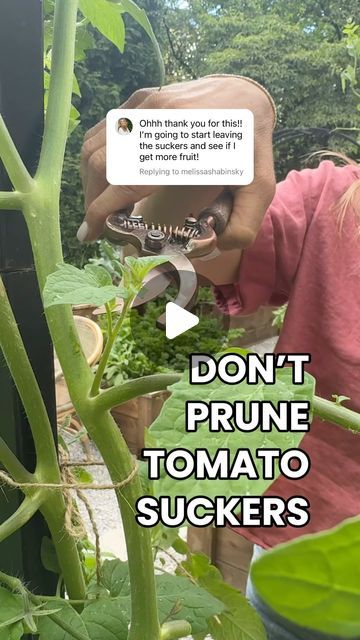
(178, 320)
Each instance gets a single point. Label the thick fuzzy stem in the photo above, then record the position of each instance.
(119, 462)
(60, 92)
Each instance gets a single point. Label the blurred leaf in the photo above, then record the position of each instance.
(84, 41)
(140, 16)
(82, 475)
(315, 580)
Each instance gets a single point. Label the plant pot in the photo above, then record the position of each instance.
(84, 310)
(134, 416)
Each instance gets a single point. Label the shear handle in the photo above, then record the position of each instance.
(218, 213)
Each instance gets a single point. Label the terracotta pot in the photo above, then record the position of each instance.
(134, 416)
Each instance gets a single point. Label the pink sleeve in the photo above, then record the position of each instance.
(268, 268)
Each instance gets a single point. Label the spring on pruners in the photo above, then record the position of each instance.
(177, 234)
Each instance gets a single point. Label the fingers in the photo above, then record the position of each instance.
(112, 199)
(93, 166)
(252, 201)
(248, 211)
(101, 199)
(172, 204)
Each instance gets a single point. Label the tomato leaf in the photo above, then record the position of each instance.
(239, 621)
(106, 17)
(83, 475)
(169, 432)
(70, 285)
(315, 580)
(47, 628)
(11, 615)
(104, 620)
(115, 577)
(136, 269)
(178, 598)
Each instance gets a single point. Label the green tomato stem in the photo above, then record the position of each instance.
(14, 584)
(109, 323)
(47, 469)
(12, 465)
(175, 629)
(109, 345)
(53, 510)
(20, 368)
(12, 200)
(336, 413)
(110, 398)
(22, 515)
(41, 211)
(60, 93)
(16, 170)
(119, 461)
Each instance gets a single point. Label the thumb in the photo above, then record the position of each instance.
(250, 204)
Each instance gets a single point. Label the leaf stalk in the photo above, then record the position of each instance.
(16, 170)
(336, 413)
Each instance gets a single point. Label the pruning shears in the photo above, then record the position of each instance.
(196, 238)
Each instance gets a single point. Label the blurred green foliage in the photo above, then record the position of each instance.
(296, 50)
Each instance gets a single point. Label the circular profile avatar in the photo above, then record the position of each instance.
(124, 126)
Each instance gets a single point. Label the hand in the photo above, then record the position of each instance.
(158, 204)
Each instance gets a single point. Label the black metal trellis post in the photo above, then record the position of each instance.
(21, 105)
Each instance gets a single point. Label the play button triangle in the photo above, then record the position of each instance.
(178, 320)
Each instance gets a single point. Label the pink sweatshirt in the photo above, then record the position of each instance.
(300, 256)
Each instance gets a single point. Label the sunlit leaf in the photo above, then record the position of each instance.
(69, 285)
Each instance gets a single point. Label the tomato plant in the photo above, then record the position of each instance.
(126, 600)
